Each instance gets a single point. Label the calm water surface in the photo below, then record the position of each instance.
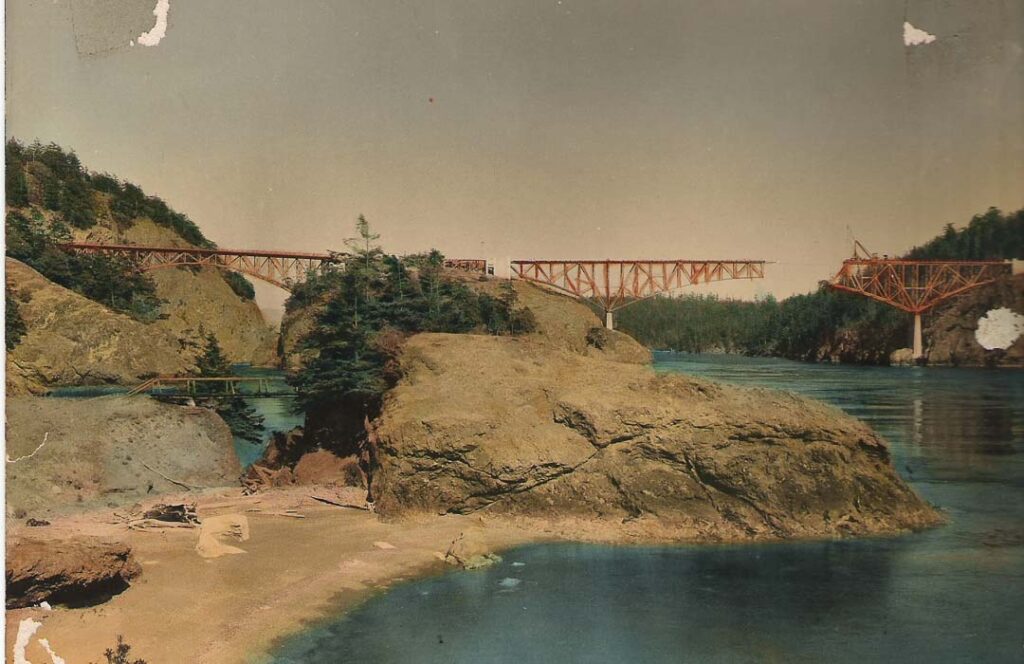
(953, 594)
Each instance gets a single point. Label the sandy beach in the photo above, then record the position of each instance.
(207, 595)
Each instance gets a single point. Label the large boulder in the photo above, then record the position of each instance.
(524, 428)
(76, 571)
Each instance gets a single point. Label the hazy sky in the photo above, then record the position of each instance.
(676, 129)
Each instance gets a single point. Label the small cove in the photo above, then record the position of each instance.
(945, 595)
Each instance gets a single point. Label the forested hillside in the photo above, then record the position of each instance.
(51, 197)
(823, 325)
(987, 236)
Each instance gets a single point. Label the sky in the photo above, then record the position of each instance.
(556, 129)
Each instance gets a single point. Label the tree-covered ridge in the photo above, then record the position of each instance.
(992, 235)
(818, 325)
(53, 182)
(109, 280)
(49, 177)
(802, 327)
(367, 305)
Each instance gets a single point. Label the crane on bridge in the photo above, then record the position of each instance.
(915, 286)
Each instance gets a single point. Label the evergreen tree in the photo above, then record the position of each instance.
(241, 418)
(368, 302)
(14, 178)
(51, 193)
(76, 204)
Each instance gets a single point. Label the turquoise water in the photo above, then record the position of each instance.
(276, 411)
(952, 594)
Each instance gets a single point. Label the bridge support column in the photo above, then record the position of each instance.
(918, 339)
(609, 320)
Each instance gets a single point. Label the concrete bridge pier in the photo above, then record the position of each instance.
(918, 339)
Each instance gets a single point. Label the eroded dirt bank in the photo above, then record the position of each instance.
(74, 454)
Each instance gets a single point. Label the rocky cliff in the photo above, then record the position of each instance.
(51, 196)
(72, 340)
(549, 426)
(198, 298)
(295, 324)
(950, 333)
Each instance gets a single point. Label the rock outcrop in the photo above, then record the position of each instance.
(72, 340)
(571, 426)
(562, 322)
(295, 325)
(528, 430)
(76, 571)
(71, 454)
(950, 333)
(289, 460)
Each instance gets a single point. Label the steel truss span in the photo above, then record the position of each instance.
(614, 284)
(280, 268)
(915, 286)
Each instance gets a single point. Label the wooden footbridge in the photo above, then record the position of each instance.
(210, 387)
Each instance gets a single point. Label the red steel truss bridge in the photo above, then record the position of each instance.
(610, 283)
(283, 269)
(615, 283)
(915, 286)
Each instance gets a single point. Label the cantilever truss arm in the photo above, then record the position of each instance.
(613, 284)
(915, 286)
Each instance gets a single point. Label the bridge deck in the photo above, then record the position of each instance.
(144, 249)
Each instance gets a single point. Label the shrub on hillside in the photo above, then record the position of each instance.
(111, 281)
(14, 324)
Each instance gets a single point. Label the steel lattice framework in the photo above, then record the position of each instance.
(614, 284)
(915, 286)
(282, 268)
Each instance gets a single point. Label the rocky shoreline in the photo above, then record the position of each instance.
(485, 443)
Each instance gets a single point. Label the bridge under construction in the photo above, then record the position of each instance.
(915, 286)
(611, 283)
